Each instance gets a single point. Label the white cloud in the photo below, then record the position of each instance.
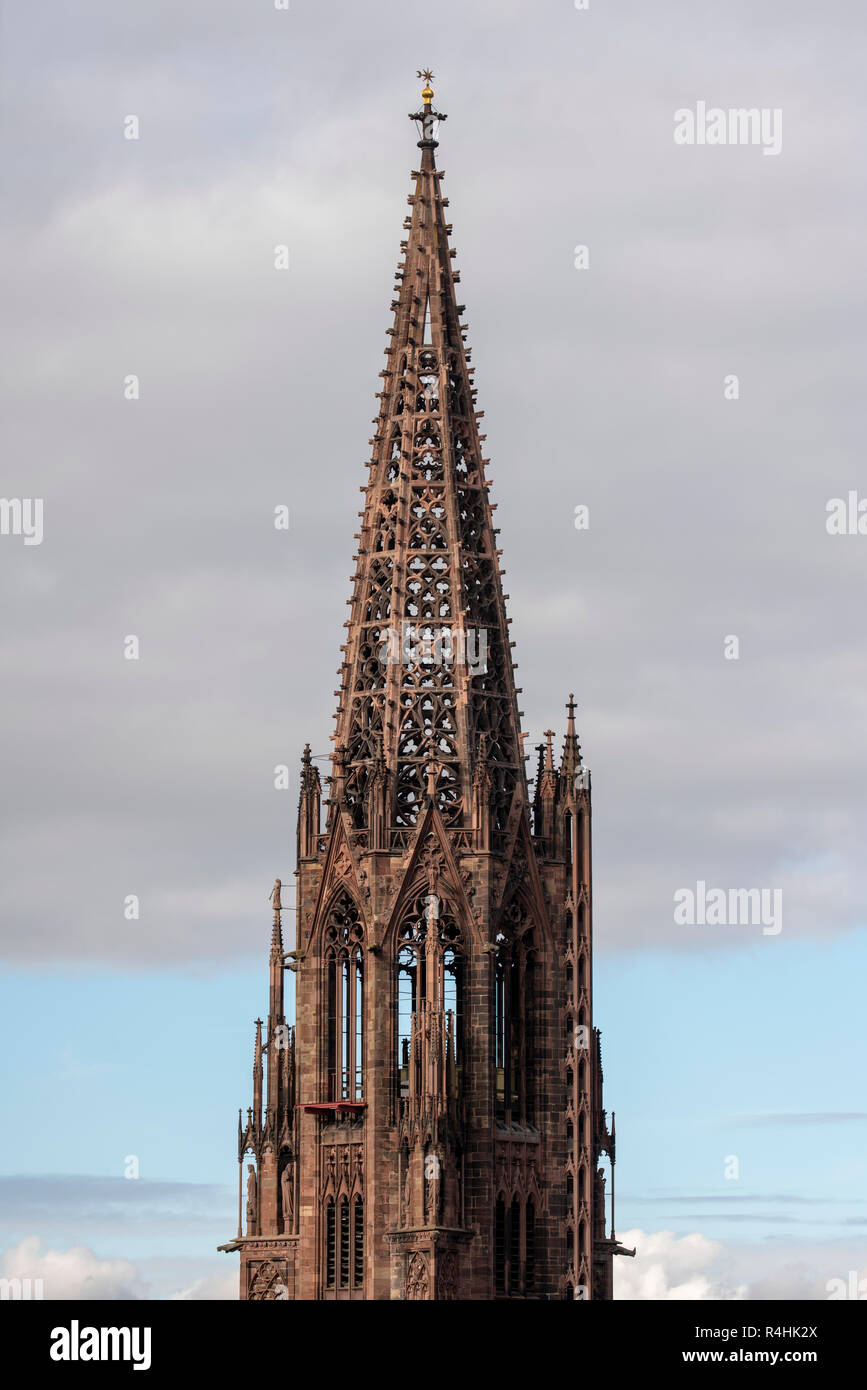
(692, 1267)
(212, 1287)
(79, 1273)
(74, 1273)
(669, 1267)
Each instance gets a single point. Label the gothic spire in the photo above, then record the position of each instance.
(571, 750)
(443, 981)
(427, 661)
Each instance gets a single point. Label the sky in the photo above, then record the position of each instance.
(603, 387)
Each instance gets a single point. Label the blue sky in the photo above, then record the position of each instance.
(749, 1053)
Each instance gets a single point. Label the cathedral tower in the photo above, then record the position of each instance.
(432, 1126)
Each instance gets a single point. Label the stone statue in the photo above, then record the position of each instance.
(407, 1192)
(251, 1194)
(286, 1199)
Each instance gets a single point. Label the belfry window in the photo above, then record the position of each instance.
(429, 973)
(500, 1246)
(579, 847)
(344, 995)
(344, 1245)
(358, 1243)
(514, 1018)
(330, 1244)
(530, 1247)
(514, 1246)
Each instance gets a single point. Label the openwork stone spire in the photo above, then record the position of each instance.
(433, 1126)
(427, 666)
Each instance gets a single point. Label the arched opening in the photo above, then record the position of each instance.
(430, 975)
(530, 1247)
(330, 1244)
(515, 1248)
(358, 1243)
(500, 1246)
(343, 1246)
(344, 1261)
(344, 1001)
(514, 1018)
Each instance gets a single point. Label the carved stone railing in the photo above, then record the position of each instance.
(462, 841)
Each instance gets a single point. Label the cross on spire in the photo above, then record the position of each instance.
(427, 117)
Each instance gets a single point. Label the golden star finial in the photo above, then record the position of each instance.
(427, 90)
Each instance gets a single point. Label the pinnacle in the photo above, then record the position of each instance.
(571, 747)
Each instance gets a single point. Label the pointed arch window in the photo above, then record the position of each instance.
(343, 1239)
(514, 1246)
(358, 1243)
(330, 1244)
(579, 846)
(345, 1251)
(530, 1247)
(500, 1246)
(430, 972)
(344, 997)
(514, 1017)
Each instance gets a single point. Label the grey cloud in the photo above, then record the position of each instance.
(605, 387)
(86, 1198)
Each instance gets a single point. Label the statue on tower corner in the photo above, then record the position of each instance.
(286, 1200)
(251, 1198)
